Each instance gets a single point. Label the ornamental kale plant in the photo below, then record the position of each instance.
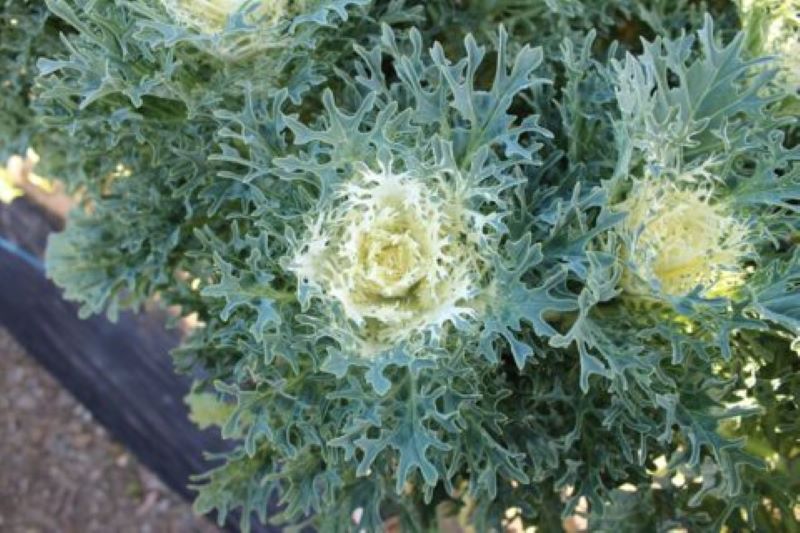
(493, 259)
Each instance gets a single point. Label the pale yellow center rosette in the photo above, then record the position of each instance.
(679, 238)
(211, 16)
(396, 255)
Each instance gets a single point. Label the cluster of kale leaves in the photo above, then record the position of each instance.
(197, 169)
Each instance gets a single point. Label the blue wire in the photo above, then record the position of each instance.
(26, 256)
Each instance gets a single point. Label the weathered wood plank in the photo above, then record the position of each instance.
(121, 372)
(27, 225)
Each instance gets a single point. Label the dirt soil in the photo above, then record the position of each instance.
(61, 472)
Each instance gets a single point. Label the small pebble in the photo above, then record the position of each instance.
(25, 402)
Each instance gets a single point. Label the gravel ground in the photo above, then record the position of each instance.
(61, 472)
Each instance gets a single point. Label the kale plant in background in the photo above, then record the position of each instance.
(27, 31)
(496, 259)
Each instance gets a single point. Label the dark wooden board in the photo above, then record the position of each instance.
(27, 225)
(121, 372)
